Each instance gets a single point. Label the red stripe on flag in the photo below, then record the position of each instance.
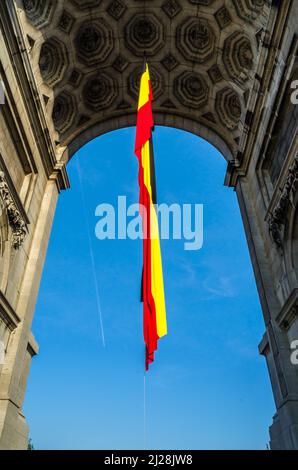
(145, 124)
(149, 312)
(150, 328)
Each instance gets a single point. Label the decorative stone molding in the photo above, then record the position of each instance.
(249, 10)
(171, 8)
(278, 217)
(39, 12)
(223, 17)
(15, 219)
(191, 90)
(196, 40)
(64, 111)
(201, 55)
(85, 4)
(144, 33)
(7, 313)
(238, 56)
(289, 311)
(94, 42)
(202, 2)
(99, 91)
(66, 22)
(170, 62)
(32, 347)
(228, 107)
(53, 61)
(116, 9)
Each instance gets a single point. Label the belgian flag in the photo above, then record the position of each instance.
(154, 310)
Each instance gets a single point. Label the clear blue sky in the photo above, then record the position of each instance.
(208, 388)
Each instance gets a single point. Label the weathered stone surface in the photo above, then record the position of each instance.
(94, 42)
(191, 90)
(196, 39)
(112, 37)
(53, 61)
(220, 70)
(39, 12)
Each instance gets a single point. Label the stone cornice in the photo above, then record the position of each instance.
(289, 311)
(32, 347)
(264, 345)
(7, 313)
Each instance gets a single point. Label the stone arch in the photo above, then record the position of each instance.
(167, 120)
(71, 71)
(203, 59)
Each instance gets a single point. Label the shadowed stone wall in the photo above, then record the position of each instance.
(220, 69)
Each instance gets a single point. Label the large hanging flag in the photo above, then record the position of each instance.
(154, 311)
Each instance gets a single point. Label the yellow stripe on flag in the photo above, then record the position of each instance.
(157, 284)
(144, 88)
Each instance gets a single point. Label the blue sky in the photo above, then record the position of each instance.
(208, 388)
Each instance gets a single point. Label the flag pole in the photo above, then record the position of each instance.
(142, 277)
(145, 61)
(145, 414)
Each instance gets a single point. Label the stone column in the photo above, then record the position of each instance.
(21, 347)
(275, 345)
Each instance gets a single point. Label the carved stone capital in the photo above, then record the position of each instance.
(15, 219)
(278, 216)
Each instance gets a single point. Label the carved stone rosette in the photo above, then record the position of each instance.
(15, 219)
(278, 217)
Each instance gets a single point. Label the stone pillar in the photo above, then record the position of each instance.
(21, 347)
(275, 345)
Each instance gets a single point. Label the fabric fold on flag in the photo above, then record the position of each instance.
(154, 310)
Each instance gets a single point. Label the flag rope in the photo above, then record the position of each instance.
(91, 253)
(145, 415)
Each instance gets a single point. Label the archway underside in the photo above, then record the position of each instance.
(203, 56)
